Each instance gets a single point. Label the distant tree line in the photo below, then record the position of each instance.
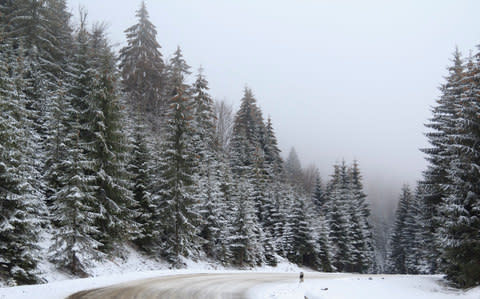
(437, 228)
(100, 151)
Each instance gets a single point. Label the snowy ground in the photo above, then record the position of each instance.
(331, 286)
(136, 267)
(365, 287)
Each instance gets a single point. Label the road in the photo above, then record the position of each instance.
(195, 286)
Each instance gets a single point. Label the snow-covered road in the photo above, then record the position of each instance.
(194, 286)
(244, 284)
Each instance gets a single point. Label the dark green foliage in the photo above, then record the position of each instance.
(20, 206)
(143, 69)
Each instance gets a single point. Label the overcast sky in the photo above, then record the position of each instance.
(340, 79)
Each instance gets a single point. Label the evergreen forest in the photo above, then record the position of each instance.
(102, 148)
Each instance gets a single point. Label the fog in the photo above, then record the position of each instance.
(340, 79)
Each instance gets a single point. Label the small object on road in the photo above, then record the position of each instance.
(370, 278)
(324, 289)
(301, 277)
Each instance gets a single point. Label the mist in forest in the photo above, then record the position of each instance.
(339, 79)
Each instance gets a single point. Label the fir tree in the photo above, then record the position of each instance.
(140, 167)
(143, 69)
(273, 161)
(245, 241)
(175, 190)
(461, 208)
(107, 146)
(402, 236)
(303, 247)
(364, 256)
(338, 218)
(20, 205)
(436, 181)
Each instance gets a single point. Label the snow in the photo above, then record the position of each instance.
(135, 266)
(365, 287)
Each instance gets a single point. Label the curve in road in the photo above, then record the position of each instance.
(195, 286)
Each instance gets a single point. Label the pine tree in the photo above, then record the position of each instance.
(248, 135)
(364, 258)
(245, 240)
(402, 237)
(461, 207)
(70, 169)
(20, 206)
(209, 170)
(175, 190)
(140, 167)
(74, 247)
(436, 179)
(319, 212)
(143, 69)
(303, 248)
(338, 218)
(273, 161)
(43, 29)
(107, 145)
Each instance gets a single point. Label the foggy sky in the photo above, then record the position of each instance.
(340, 79)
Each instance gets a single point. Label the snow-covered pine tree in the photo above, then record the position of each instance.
(364, 257)
(416, 257)
(338, 207)
(320, 223)
(273, 160)
(247, 161)
(208, 174)
(401, 236)
(42, 28)
(143, 69)
(140, 167)
(461, 209)
(303, 249)
(21, 204)
(248, 135)
(107, 145)
(71, 170)
(245, 240)
(436, 181)
(73, 248)
(179, 220)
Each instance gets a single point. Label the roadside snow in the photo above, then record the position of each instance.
(364, 287)
(133, 266)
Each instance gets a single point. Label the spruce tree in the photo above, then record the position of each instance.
(143, 69)
(461, 210)
(339, 219)
(436, 180)
(179, 221)
(20, 206)
(141, 169)
(364, 259)
(107, 143)
(401, 236)
(245, 240)
(303, 248)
